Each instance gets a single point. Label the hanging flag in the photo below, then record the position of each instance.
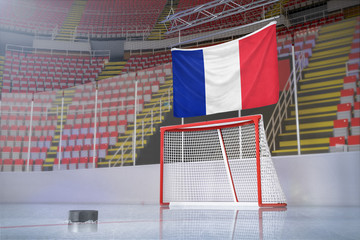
(235, 75)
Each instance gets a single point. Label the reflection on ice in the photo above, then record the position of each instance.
(83, 227)
(116, 221)
(222, 224)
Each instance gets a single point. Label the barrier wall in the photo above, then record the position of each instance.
(312, 180)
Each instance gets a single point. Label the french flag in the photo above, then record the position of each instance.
(235, 75)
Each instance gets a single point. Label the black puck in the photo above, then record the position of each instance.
(83, 215)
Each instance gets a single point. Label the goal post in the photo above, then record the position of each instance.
(221, 162)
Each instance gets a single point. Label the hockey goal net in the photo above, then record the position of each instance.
(218, 162)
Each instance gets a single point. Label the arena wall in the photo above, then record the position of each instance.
(312, 180)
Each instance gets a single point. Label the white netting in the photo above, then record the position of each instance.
(195, 169)
(270, 185)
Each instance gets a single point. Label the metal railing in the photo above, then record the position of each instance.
(50, 30)
(286, 98)
(146, 127)
(120, 13)
(126, 32)
(314, 15)
(54, 51)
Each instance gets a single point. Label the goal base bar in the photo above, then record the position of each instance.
(222, 205)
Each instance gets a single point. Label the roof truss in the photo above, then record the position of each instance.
(213, 10)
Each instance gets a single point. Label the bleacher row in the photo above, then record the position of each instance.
(140, 62)
(304, 41)
(42, 72)
(17, 139)
(116, 102)
(103, 19)
(17, 165)
(112, 17)
(40, 16)
(347, 126)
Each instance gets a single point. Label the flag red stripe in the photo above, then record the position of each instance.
(259, 69)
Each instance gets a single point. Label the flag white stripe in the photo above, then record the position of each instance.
(222, 80)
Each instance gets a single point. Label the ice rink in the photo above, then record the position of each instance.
(50, 221)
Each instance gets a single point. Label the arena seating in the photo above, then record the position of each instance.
(37, 16)
(28, 73)
(325, 95)
(139, 62)
(354, 143)
(337, 144)
(344, 111)
(357, 108)
(32, 72)
(115, 112)
(304, 41)
(16, 134)
(119, 18)
(347, 124)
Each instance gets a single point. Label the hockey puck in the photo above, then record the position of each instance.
(83, 215)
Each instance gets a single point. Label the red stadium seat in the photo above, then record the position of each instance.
(355, 126)
(6, 152)
(16, 152)
(7, 165)
(350, 82)
(341, 128)
(18, 165)
(73, 164)
(92, 162)
(38, 165)
(344, 111)
(347, 96)
(64, 164)
(337, 144)
(356, 109)
(354, 143)
(83, 162)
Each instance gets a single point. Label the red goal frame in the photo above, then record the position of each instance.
(231, 122)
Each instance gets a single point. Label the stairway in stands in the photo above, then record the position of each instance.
(157, 33)
(276, 9)
(111, 69)
(125, 158)
(56, 110)
(2, 63)
(66, 33)
(319, 92)
(352, 11)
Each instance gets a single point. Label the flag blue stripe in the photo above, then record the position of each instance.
(188, 83)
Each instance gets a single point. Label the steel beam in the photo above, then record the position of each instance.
(212, 11)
